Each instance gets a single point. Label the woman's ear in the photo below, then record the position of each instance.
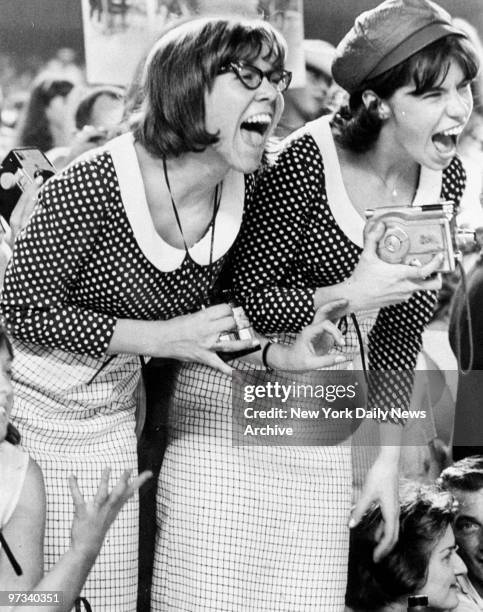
(371, 100)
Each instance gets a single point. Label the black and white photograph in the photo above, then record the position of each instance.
(241, 296)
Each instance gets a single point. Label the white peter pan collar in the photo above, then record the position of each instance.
(162, 255)
(343, 211)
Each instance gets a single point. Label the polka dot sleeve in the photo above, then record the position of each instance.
(48, 256)
(268, 272)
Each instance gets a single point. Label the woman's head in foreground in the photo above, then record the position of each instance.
(213, 85)
(415, 75)
(423, 562)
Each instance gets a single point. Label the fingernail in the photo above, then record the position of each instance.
(340, 359)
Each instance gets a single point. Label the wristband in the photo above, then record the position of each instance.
(264, 355)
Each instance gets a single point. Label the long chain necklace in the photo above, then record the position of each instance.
(204, 293)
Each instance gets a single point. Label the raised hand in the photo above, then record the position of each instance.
(309, 351)
(93, 518)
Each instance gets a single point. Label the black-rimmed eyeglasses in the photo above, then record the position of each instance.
(252, 77)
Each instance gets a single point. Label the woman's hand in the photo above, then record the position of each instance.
(309, 351)
(195, 337)
(93, 518)
(381, 486)
(24, 208)
(375, 283)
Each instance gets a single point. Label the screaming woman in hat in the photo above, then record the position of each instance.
(408, 72)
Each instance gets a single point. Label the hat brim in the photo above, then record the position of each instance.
(411, 45)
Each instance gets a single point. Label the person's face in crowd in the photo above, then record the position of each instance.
(426, 127)
(469, 533)
(444, 566)
(243, 118)
(6, 391)
(310, 101)
(106, 112)
(60, 113)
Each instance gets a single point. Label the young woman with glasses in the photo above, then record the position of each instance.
(119, 260)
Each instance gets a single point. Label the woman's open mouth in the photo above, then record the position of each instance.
(445, 142)
(255, 128)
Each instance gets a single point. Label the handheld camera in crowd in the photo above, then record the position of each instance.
(20, 167)
(415, 234)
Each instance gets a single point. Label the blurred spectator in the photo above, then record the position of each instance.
(471, 142)
(101, 107)
(64, 64)
(464, 480)
(47, 120)
(98, 114)
(304, 104)
(424, 560)
(477, 84)
(471, 151)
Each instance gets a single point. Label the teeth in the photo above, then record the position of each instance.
(260, 118)
(456, 131)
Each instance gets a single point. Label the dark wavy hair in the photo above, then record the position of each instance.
(465, 475)
(83, 112)
(181, 67)
(13, 435)
(425, 515)
(357, 127)
(34, 129)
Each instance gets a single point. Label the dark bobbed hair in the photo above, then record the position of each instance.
(182, 66)
(34, 129)
(425, 515)
(357, 127)
(84, 108)
(13, 435)
(465, 475)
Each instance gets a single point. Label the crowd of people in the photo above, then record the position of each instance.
(210, 178)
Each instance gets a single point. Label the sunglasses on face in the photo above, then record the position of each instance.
(251, 76)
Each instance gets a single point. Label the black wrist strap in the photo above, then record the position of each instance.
(264, 355)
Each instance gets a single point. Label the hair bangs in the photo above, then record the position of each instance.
(429, 67)
(251, 41)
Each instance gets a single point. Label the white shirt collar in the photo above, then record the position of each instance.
(161, 254)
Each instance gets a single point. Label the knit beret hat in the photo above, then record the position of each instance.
(386, 36)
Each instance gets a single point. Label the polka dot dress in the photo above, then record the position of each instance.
(296, 238)
(89, 256)
(300, 233)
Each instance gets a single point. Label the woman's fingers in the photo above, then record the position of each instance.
(418, 273)
(327, 327)
(326, 361)
(212, 359)
(75, 491)
(218, 312)
(140, 480)
(25, 206)
(373, 232)
(432, 284)
(232, 346)
(103, 488)
(332, 310)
